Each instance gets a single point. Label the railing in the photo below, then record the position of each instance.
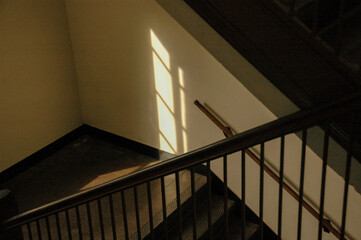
(55, 218)
(277, 177)
(337, 20)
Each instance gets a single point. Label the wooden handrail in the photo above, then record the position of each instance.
(308, 207)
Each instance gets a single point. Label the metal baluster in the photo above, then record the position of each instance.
(80, 231)
(194, 200)
(179, 207)
(58, 225)
(29, 231)
(347, 176)
(150, 208)
(125, 218)
(48, 227)
(303, 160)
(38, 229)
(225, 192)
(261, 190)
(137, 212)
(340, 28)
(111, 208)
(323, 178)
(68, 224)
(89, 220)
(210, 227)
(359, 66)
(100, 211)
(243, 194)
(280, 201)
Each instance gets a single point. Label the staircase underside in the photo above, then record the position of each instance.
(303, 69)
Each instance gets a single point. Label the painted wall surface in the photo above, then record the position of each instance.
(38, 92)
(139, 72)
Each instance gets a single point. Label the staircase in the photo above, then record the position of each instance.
(312, 54)
(181, 198)
(325, 26)
(309, 49)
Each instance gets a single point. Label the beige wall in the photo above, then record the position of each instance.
(139, 72)
(38, 95)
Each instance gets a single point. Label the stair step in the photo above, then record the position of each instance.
(171, 200)
(235, 229)
(217, 214)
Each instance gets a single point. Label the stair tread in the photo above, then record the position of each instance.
(170, 199)
(235, 228)
(202, 215)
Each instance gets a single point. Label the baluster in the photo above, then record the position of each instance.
(261, 190)
(38, 229)
(243, 194)
(125, 218)
(179, 207)
(90, 221)
(225, 192)
(359, 66)
(78, 221)
(68, 224)
(58, 229)
(209, 184)
(48, 227)
(112, 217)
(29, 231)
(280, 201)
(347, 176)
(100, 212)
(323, 178)
(150, 208)
(303, 160)
(193, 189)
(137, 212)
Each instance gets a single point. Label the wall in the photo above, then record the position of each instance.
(139, 72)
(38, 95)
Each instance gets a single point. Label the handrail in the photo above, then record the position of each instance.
(274, 129)
(308, 207)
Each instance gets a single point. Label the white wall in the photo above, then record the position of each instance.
(139, 72)
(38, 95)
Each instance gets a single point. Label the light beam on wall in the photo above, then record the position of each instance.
(183, 108)
(164, 95)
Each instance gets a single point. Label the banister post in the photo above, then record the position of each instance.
(8, 208)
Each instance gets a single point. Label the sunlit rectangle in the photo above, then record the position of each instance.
(185, 141)
(183, 108)
(160, 49)
(164, 145)
(167, 124)
(163, 82)
(181, 77)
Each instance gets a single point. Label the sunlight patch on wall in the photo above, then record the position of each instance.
(167, 127)
(183, 109)
(163, 82)
(164, 95)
